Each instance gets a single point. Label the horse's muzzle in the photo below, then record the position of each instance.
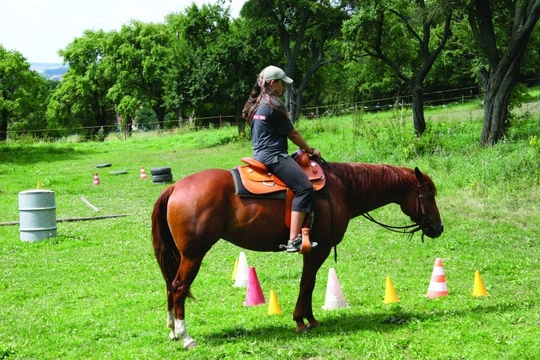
(433, 231)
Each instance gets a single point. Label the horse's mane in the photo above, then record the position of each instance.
(375, 178)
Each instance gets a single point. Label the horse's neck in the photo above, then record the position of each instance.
(370, 186)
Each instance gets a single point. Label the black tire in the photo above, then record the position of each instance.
(160, 170)
(119, 172)
(162, 178)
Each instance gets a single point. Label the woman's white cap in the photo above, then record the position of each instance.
(274, 73)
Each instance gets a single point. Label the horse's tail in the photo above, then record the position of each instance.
(165, 249)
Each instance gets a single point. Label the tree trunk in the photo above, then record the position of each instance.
(3, 127)
(495, 113)
(498, 86)
(418, 109)
(240, 121)
(160, 114)
(499, 80)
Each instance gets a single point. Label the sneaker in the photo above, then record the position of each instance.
(296, 244)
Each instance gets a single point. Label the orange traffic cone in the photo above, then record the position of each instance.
(143, 173)
(273, 305)
(334, 295)
(390, 295)
(254, 295)
(96, 179)
(437, 286)
(478, 288)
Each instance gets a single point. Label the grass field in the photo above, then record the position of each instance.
(95, 290)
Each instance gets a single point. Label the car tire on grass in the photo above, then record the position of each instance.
(164, 170)
(164, 178)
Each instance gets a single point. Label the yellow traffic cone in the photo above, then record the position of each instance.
(478, 288)
(235, 269)
(273, 306)
(390, 295)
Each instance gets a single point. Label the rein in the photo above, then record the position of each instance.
(399, 229)
(407, 229)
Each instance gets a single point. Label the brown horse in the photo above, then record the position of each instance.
(193, 214)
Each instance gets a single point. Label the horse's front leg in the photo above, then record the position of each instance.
(304, 304)
(180, 290)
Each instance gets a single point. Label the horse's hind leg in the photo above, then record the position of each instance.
(170, 311)
(180, 290)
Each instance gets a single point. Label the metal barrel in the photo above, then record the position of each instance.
(37, 215)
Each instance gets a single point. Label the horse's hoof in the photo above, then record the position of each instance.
(314, 324)
(190, 345)
(172, 336)
(301, 329)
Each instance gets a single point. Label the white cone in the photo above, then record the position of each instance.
(242, 271)
(334, 296)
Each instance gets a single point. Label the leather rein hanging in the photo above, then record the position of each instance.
(407, 229)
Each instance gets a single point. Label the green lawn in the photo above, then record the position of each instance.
(95, 291)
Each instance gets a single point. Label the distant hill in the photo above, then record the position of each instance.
(53, 71)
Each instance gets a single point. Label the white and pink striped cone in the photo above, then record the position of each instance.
(437, 285)
(334, 295)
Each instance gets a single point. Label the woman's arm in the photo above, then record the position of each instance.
(299, 141)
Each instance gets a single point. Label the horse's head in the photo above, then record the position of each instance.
(420, 205)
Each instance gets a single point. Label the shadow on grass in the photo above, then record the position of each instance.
(25, 155)
(343, 323)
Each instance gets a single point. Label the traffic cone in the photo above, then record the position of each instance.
(390, 295)
(437, 285)
(233, 277)
(242, 272)
(96, 179)
(254, 295)
(143, 173)
(334, 295)
(478, 288)
(273, 305)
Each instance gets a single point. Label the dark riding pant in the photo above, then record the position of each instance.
(288, 171)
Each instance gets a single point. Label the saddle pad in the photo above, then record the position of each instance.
(241, 190)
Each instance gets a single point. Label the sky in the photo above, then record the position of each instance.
(39, 28)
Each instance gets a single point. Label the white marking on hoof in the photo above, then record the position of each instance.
(170, 320)
(189, 344)
(180, 332)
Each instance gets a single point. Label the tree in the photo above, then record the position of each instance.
(142, 60)
(212, 59)
(22, 93)
(81, 98)
(407, 36)
(503, 51)
(306, 30)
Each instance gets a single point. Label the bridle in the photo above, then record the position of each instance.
(407, 229)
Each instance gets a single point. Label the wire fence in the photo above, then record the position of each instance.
(437, 99)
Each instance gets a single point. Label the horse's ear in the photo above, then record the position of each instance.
(419, 175)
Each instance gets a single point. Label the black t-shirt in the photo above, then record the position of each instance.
(269, 129)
